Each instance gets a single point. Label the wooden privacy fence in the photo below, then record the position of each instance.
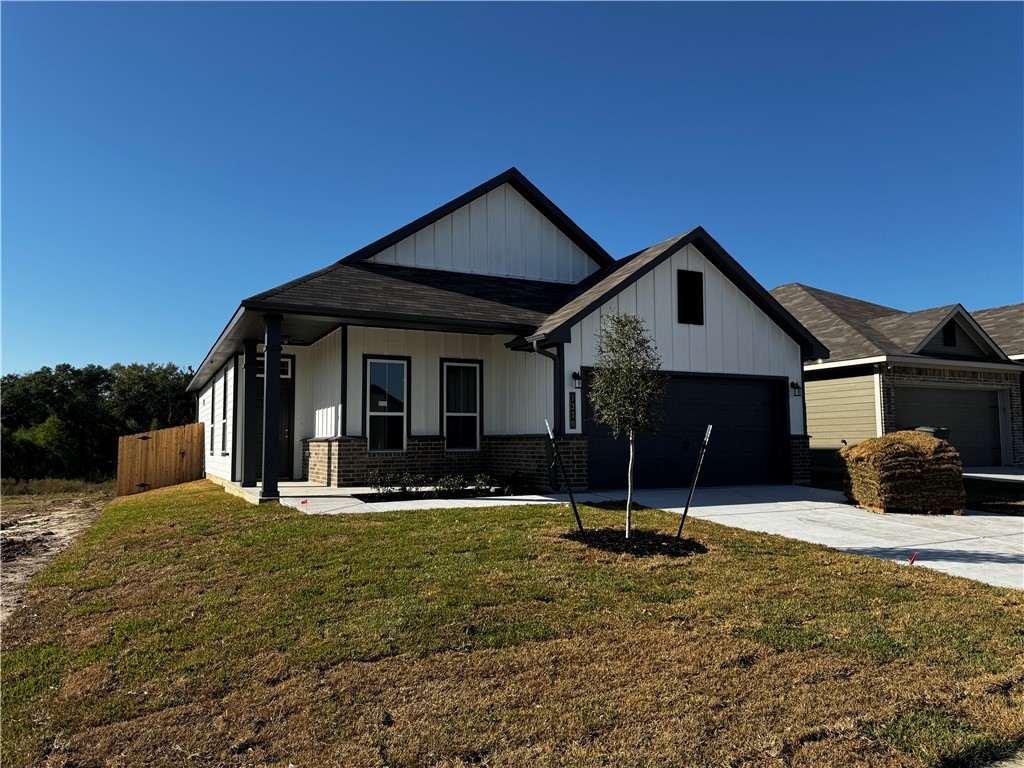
(157, 459)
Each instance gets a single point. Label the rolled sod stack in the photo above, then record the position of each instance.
(905, 472)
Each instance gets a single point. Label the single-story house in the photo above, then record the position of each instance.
(892, 370)
(443, 347)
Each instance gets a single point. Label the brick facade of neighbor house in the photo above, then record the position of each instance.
(899, 375)
(800, 459)
(345, 461)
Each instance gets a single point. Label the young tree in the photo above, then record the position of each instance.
(626, 386)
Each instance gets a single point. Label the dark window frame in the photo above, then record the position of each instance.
(443, 400)
(407, 413)
(689, 297)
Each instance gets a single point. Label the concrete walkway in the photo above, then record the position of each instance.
(977, 545)
(1000, 474)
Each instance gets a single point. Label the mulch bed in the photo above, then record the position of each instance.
(640, 544)
(465, 493)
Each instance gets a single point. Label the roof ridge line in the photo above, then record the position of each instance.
(809, 290)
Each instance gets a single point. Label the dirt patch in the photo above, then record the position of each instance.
(33, 531)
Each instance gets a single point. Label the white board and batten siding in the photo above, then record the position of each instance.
(517, 386)
(318, 404)
(736, 338)
(216, 412)
(500, 234)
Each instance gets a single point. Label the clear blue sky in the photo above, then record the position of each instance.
(161, 162)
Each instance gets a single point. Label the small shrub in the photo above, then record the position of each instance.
(483, 483)
(382, 481)
(412, 481)
(449, 484)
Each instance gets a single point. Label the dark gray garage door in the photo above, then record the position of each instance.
(748, 444)
(971, 415)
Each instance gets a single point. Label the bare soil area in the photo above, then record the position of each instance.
(33, 531)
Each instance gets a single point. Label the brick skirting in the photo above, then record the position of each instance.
(800, 459)
(345, 461)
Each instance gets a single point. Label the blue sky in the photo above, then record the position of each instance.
(161, 162)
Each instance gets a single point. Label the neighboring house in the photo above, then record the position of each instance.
(443, 347)
(892, 370)
(1005, 325)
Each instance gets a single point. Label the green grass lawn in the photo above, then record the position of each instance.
(187, 628)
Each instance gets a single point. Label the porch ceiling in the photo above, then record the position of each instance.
(301, 328)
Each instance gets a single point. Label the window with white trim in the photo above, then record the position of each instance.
(462, 406)
(286, 367)
(386, 405)
(213, 411)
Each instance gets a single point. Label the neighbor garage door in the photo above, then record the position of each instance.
(970, 415)
(748, 443)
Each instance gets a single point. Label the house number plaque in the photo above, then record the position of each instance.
(572, 410)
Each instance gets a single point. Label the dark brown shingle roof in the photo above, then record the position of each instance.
(1005, 325)
(907, 330)
(364, 289)
(854, 329)
(843, 324)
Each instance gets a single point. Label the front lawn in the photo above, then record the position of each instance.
(187, 628)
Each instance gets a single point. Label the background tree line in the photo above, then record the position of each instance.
(64, 421)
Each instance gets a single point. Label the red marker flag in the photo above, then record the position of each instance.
(304, 501)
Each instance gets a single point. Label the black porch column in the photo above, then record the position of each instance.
(251, 417)
(271, 406)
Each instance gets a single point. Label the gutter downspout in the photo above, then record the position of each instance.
(559, 366)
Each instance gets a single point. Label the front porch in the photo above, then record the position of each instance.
(523, 460)
(317, 499)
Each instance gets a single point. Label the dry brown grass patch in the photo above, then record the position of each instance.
(186, 628)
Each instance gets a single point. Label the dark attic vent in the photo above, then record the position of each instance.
(690, 297)
(949, 334)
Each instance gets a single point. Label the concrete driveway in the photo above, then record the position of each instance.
(977, 545)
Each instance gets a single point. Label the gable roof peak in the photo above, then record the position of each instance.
(854, 329)
(600, 286)
(518, 181)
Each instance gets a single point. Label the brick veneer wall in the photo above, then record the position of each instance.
(345, 461)
(800, 459)
(953, 377)
(530, 457)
